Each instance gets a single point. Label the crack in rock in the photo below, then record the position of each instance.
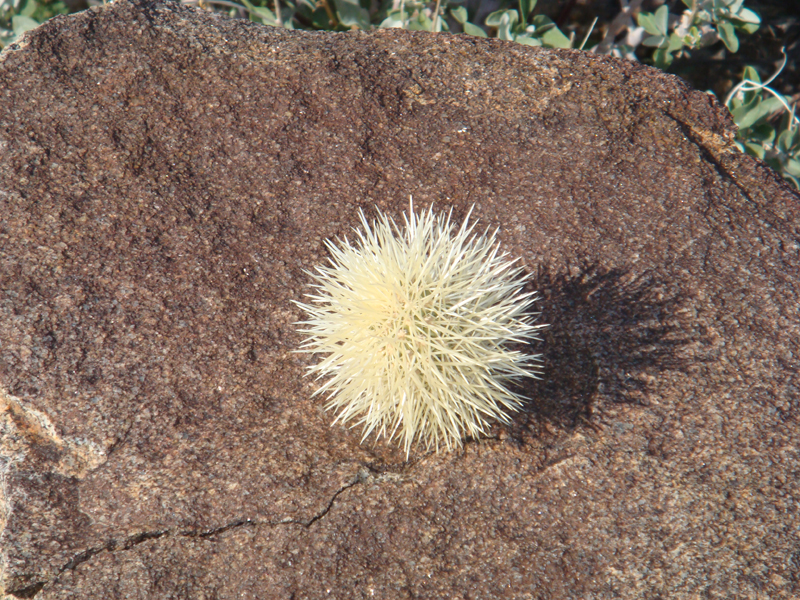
(363, 474)
(223, 529)
(112, 546)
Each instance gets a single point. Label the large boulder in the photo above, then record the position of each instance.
(167, 176)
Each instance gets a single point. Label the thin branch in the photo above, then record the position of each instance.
(436, 17)
(741, 85)
(591, 29)
(334, 22)
(748, 85)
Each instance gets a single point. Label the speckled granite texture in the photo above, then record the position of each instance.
(166, 176)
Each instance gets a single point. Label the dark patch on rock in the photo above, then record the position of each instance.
(167, 175)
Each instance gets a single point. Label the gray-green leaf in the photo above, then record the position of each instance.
(655, 41)
(792, 167)
(471, 29)
(351, 14)
(526, 8)
(728, 35)
(20, 24)
(553, 38)
(661, 19)
(747, 16)
(746, 116)
(649, 22)
(459, 14)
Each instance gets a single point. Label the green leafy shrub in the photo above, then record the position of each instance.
(704, 23)
(518, 24)
(521, 27)
(754, 106)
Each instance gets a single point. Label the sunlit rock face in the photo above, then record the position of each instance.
(168, 176)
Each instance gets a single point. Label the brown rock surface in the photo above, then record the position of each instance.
(165, 178)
